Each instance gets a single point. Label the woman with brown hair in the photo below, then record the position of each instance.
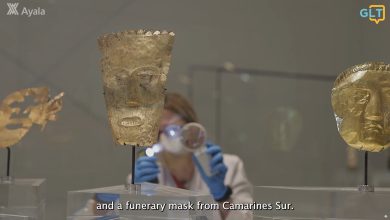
(181, 169)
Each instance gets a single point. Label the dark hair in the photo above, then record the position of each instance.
(178, 104)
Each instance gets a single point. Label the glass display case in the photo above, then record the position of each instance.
(281, 124)
(117, 202)
(322, 203)
(14, 217)
(22, 199)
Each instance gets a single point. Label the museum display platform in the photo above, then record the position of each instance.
(117, 202)
(14, 217)
(22, 199)
(322, 203)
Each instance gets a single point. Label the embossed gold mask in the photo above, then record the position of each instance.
(16, 121)
(135, 65)
(361, 103)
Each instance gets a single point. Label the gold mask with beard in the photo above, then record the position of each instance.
(135, 65)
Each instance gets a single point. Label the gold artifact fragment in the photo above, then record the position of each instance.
(15, 123)
(361, 103)
(135, 65)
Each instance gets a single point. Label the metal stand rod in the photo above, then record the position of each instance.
(366, 168)
(8, 161)
(133, 166)
(366, 187)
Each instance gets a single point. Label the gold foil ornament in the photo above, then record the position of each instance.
(361, 103)
(135, 65)
(16, 120)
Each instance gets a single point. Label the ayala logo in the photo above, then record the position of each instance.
(13, 10)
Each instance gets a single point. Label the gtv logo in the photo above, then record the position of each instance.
(374, 13)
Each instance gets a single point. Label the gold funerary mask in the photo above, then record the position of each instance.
(361, 103)
(135, 65)
(16, 118)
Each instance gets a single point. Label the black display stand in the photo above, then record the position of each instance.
(365, 168)
(133, 165)
(8, 162)
(365, 187)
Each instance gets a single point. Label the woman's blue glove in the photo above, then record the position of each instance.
(215, 182)
(146, 169)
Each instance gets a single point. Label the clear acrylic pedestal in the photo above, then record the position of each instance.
(324, 203)
(82, 204)
(22, 199)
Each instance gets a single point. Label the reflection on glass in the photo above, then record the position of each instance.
(245, 77)
(285, 127)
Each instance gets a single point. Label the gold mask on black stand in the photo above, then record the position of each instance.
(361, 103)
